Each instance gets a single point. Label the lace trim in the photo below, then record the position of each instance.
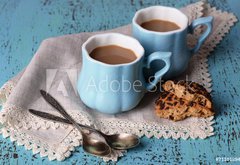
(12, 128)
(212, 41)
(196, 11)
(5, 91)
(59, 153)
(37, 146)
(20, 118)
(150, 129)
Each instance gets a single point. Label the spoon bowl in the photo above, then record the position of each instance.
(95, 147)
(122, 141)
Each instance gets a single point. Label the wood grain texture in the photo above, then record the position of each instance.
(25, 23)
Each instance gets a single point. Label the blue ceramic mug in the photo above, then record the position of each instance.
(116, 88)
(170, 41)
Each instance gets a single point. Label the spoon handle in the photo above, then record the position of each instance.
(59, 108)
(52, 117)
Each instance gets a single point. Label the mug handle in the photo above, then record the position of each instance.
(201, 21)
(164, 56)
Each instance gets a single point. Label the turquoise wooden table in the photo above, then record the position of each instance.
(25, 23)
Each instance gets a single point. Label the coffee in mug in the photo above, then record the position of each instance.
(113, 54)
(160, 25)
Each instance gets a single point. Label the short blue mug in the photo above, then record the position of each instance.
(171, 41)
(116, 88)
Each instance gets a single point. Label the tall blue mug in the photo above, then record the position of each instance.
(171, 41)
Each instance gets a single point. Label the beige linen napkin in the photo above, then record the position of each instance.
(55, 68)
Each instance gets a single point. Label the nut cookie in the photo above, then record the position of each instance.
(190, 91)
(177, 106)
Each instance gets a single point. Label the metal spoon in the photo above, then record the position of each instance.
(90, 145)
(120, 141)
